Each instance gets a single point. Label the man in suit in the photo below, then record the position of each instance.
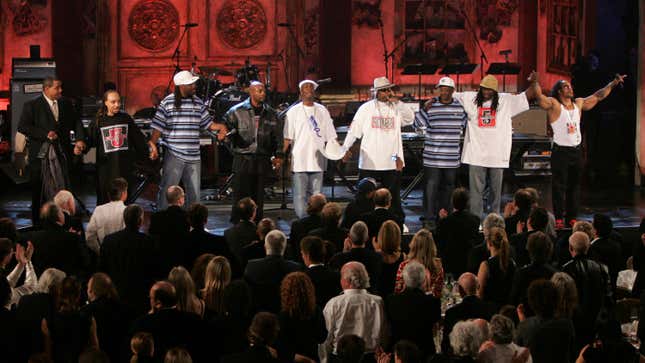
(200, 241)
(129, 257)
(357, 251)
(605, 249)
(170, 228)
(301, 227)
(326, 281)
(244, 232)
(169, 326)
(471, 307)
(457, 233)
(49, 118)
(381, 213)
(413, 314)
(264, 275)
(56, 247)
(537, 222)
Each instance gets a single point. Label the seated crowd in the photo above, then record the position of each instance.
(344, 287)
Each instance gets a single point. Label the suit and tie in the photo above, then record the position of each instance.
(38, 118)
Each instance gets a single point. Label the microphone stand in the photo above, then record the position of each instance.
(175, 56)
(482, 56)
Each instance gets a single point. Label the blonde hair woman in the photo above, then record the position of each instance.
(423, 250)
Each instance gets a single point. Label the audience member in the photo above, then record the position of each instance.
(638, 261)
(356, 250)
(199, 269)
(362, 203)
(381, 213)
(537, 222)
(142, 346)
(424, 251)
(201, 241)
(23, 259)
(388, 245)
(562, 246)
(177, 355)
(412, 314)
(354, 312)
(8, 229)
(187, 300)
(457, 233)
(170, 227)
(539, 249)
(56, 247)
(227, 332)
(535, 202)
(64, 200)
(465, 339)
(255, 249)
(265, 274)
(516, 213)
(500, 349)
(129, 257)
(243, 232)
(302, 325)
(610, 346)
(107, 218)
(479, 253)
(325, 280)
(216, 278)
(330, 229)
(8, 325)
(262, 335)
(350, 349)
(496, 274)
(301, 227)
(605, 249)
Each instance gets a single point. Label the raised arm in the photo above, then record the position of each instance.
(545, 102)
(591, 101)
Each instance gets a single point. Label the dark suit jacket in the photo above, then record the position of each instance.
(254, 354)
(8, 338)
(524, 277)
(412, 314)
(334, 235)
(373, 263)
(376, 218)
(264, 276)
(326, 282)
(299, 229)
(456, 235)
(170, 228)
(173, 328)
(200, 242)
(112, 322)
(471, 307)
(131, 259)
(608, 252)
(239, 236)
(37, 120)
(55, 247)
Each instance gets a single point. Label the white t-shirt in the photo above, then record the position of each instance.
(309, 127)
(489, 134)
(379, 125)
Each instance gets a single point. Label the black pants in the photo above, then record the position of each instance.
(249, 178)
(566, 167)
(390, 179)
(36, 184)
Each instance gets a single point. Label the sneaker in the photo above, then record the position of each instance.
(559, 224)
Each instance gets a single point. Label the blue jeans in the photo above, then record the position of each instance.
(440, 182)
(305, 184)
(174, 171)
(477, 176)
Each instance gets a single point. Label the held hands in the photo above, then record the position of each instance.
(154, 153)
(347, 156)
(221, 129)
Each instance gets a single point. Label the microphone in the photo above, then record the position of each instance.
(190, 25)
(505, 51)
(324, 80)
(285, 25)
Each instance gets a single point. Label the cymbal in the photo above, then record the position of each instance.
(215, 70)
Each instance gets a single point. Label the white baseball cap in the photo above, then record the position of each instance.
(303, 82)
(184, 78)
(446, 81)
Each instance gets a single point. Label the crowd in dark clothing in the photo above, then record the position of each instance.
(342, 288)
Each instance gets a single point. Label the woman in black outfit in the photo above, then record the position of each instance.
(496, 274)
(119, 144)
(388, 244)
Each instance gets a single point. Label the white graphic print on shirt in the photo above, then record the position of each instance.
(486, 117)
(115, 138)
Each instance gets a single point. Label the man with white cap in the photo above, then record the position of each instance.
(489, 135)
(378, 122)
(256, 137)
(444, 124)
(178, 121)
(308, 126)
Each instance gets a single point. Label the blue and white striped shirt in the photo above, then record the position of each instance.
(444, 124)
(180, 127)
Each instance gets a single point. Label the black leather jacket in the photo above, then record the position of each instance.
(264, 139)
(592, 281)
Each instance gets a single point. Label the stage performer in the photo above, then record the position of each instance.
(119, 143)
(563, 113)
(47, 122)
(489, 135)
(444, 123)
(256, 136)
(308, 126)
(378, 122)
(178, 121)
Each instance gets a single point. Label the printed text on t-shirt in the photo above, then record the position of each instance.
(384, 123)
(486, 117)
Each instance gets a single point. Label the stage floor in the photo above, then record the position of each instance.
(625, 205)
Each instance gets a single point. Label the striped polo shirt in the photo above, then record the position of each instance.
(180, 128)
(444, 124)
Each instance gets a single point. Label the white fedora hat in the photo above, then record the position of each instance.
(382, 83)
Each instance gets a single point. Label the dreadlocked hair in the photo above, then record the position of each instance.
(479, 100)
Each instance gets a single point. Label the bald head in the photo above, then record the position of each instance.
(578, 243)
(382, 198)
(162, 295)
(316, 204)
(468, 284)
(175, 195)
(257, 93)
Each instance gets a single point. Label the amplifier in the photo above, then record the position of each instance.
(27, 68)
